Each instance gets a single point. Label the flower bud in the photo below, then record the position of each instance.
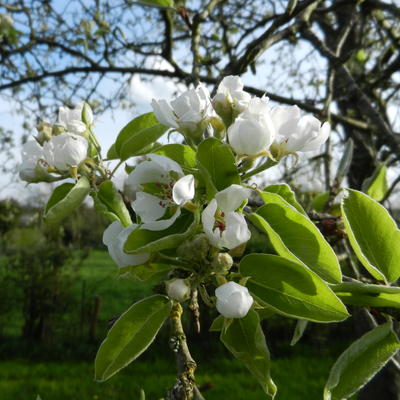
(230, 99)
(65, 151)
(87, 114)
(71, 119)
(221, 263)
(253, 131)
(233, 300)
(178, 289)
(44, 132)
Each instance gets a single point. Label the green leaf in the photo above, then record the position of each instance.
(64, 199)
(377, 186)
(217, 324)
(138, 134)
(245, 339)
(359, 363)
(184, 155)
(112, 153)
(290, 289)
(131, 335)
(217, 163)
(157, 3)
(373, 235)
(145, 241)
(302, 239)
(299, 330)
(367, 295)
(285, 192)
(109, 202)
(145, 273)
(319, 201)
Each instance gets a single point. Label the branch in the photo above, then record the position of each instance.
(185, 387)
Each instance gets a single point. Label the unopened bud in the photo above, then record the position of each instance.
(221, 263)
(45, 132)
(178, 289)
(87, 114)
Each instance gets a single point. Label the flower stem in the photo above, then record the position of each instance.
(267, 164)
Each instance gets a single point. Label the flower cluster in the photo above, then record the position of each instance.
(253, 127)
(59, 148)
(181, 214)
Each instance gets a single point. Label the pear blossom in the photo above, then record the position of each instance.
(65, 150)
(31, 170)
(74, 120)
(161, 189)
(297, 133)
(231, 99)
(189, 113)
(224, 227)
(252, 131)
(233, 300)
(178, 289)
(114, 237)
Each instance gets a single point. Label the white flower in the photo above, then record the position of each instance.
(224, 227)
(31, 170)
(114, 237)
(253, 131)
(74, 120)
(233, 300)
(178, 289)
(161, 188)
(189, 113)
(297, 133)
(65, 150)
(230, 94)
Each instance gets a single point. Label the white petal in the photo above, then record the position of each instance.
(183, 190)
(162, 223)
(163, 112)
(236, 232)
(166, 163)
(31, 151)
(232, 197)
(149, 208)
(229, 84)
(146, 172)
(208, 219)
(112, 232)
(123, 258)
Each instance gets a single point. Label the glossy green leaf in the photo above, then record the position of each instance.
(184, 155)
(360, 362)
(299, 330)
(245, 339)
(64, 199)
(377, 186)
(217, 163)
(302, 239)
(291, 289)
(217, 324)
(109, 202)
(319, 201)
(367, 295)
(285, 192)
(138, 134)
(373, 235)
(145, 241)
(145, 273)
(131, 335)
(112, 153)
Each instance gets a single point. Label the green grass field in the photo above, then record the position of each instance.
(65, 376)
